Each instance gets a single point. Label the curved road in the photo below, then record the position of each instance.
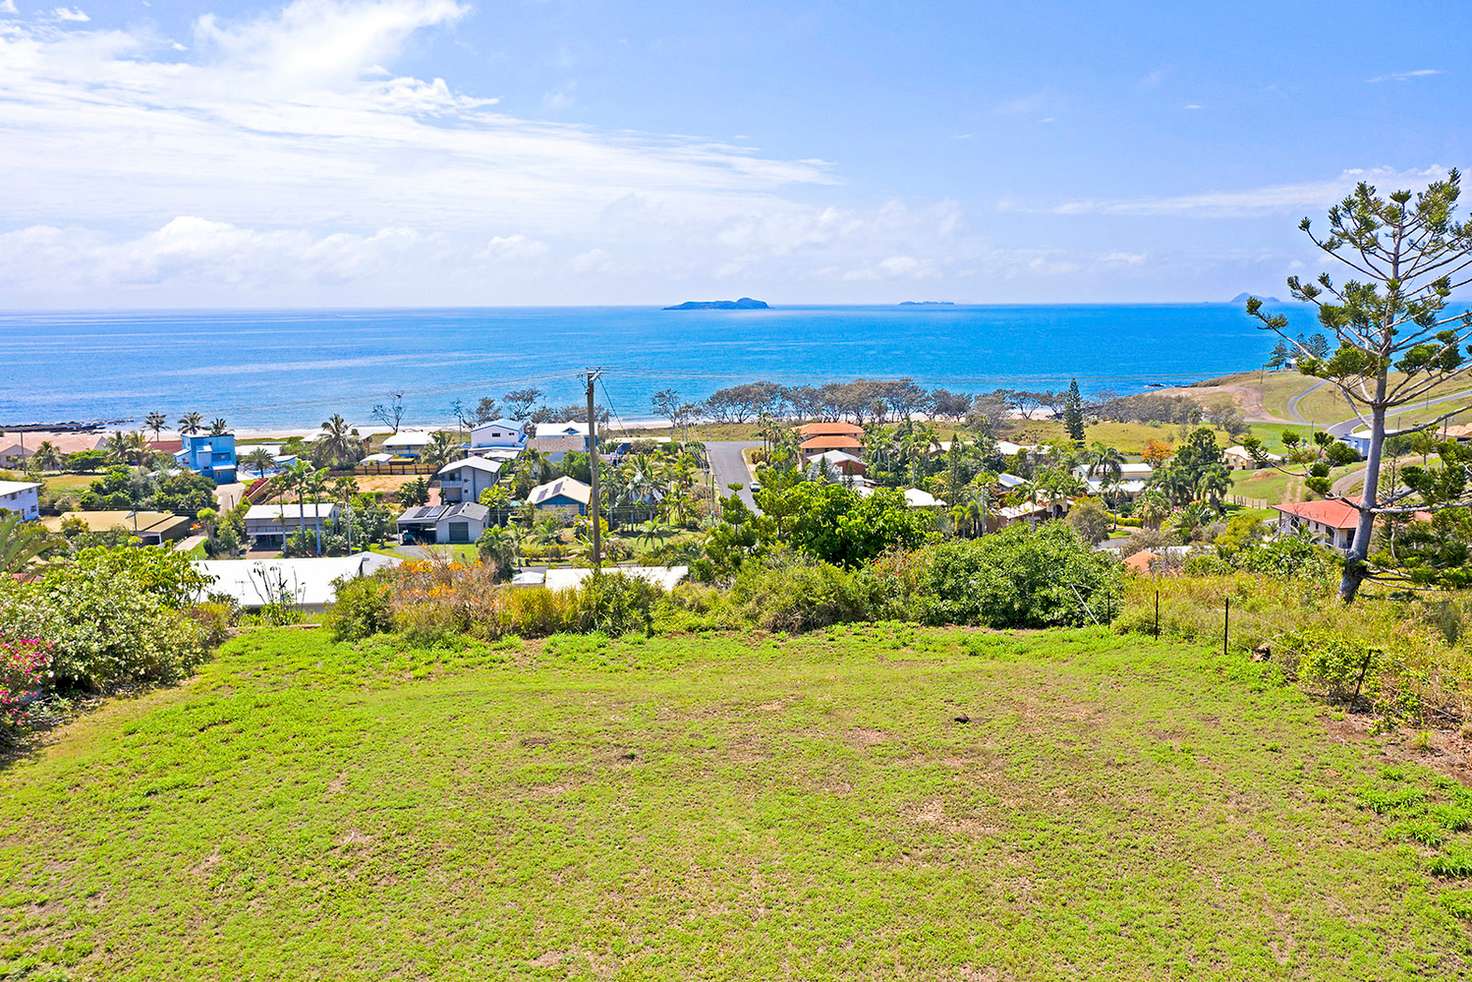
(1293, 412)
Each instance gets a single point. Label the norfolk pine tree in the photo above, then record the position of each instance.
(1407, 255)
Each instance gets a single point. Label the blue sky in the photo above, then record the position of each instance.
(366, 152)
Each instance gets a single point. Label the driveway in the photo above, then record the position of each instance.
(729, 467)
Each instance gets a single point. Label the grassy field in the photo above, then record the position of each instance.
(1273, 486)
(712, 807)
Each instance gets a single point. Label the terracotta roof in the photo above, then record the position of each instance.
(1139, 562)
(830, 429)
(1335, 514)
(831, 442)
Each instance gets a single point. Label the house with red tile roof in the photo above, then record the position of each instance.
(1332, 522)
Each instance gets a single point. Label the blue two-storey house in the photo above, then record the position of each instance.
(209, 454)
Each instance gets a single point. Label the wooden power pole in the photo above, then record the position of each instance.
(592, 377)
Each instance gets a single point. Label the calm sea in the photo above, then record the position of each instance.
(265, 368)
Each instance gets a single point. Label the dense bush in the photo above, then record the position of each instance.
(1020, 577)
(801, 594)
(364, 607)
(112, 616)
(614, 604)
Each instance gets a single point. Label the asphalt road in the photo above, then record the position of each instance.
(729, 467)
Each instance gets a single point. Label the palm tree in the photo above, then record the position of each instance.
(1104, 462)
(344, 490)
(341, 442)
(47, 457)
(22, 542)
(440, 450)
(259, 460)
(1214, 484)
(497, 545)
(294, 478)
(1152, 507)
(191, 422)
(218, 426)
(155, 422)
(128, 448)
(315, 484)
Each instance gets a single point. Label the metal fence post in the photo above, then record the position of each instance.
(1226, 625)
(1157, 615)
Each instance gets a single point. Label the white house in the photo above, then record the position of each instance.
(464, 480)
(21, 497)
(1239, 458)
(1130, 482)
(267, 526)
(456, 524)
(309, 583)
(1358, 441)
(498, 433)
(556, 439)
(1332, 522)
(279, 461)
(407, 443)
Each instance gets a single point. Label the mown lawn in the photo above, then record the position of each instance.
(709, 807)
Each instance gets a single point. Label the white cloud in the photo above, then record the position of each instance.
(512, 248)
(1192, 106)
(74, 15)
(1271, 198)
(286, 150)
(1123, 259)
(198, 251)
(561, 97)
(1405, 76)
(8, 7)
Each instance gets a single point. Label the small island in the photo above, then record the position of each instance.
(1243, 298)
(927, 303)
(745, 303)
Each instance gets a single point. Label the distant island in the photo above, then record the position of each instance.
(927, 303)
(1243, 297)
(745, 303)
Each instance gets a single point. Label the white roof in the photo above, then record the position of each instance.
(500, 424)
(664, 577)
(1009, 449)
(408, 438)
(310, 581)
(834, 457)
(1245, 454)
(567, 487)
(916, 498)
(309, 509)
(474, 463)
(12, 487)
(377, 458)
(570, 427)
(1010, 480)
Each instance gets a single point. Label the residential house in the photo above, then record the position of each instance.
(836, 463)
(18, 449)
(565, 493)
(280, 461)
(1010, 482)
(268, 526)
(21, 497)
(209, 454)
(1358, 441)
(152, 528)
(830, 428)
(1239, 458)
(914, 497)
(558, 439)
(458, 524)
(1329, 521)
(502, 433)
(464, 480)
(1130, 482)
(307, 583)
(571, 577)
(407, 443)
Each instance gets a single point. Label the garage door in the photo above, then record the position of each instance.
(459, 531)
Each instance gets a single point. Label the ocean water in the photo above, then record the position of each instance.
(295, 368)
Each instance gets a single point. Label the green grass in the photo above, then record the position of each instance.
(713, 807)
(1274, 486)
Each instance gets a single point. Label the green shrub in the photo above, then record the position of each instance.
(1205, 564)
(364, 607)
(215, 619)
(1331, 661)
(799, 594)
(615, 604)
(1020, 577)
(112, 616)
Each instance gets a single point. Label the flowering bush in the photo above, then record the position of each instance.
(23, 667)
